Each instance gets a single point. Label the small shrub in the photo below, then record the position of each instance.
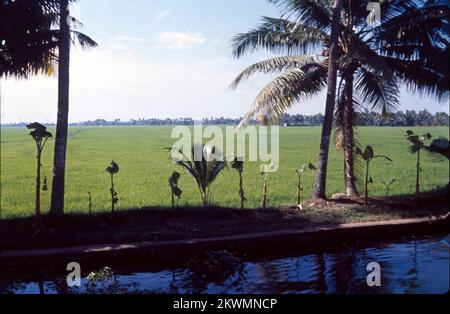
(175, 190)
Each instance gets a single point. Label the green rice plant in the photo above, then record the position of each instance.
(112, 170)
(238, 165)
(368, 155)
(204, 165)
(175, 190)
(417, 144)
(40, 135)
(300, 172)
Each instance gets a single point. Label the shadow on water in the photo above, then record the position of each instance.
(407, 266)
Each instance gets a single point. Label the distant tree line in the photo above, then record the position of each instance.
(365, 118)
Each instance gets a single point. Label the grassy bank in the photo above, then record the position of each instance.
(153, 224)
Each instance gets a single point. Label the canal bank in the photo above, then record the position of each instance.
(253, 244)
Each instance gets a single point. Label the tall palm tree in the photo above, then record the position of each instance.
(409, 46)
(62, 121)
(322, 162)
(30, 45)
(59, 159)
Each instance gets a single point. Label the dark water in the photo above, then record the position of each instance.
(407, 266)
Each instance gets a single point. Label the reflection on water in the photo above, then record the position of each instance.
(413, 266)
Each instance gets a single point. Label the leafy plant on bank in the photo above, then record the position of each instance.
(40, 135)
(238, 165)
(112, 170)
(265, 169)
(204, 165)
(417, 144)
(174, 189)
(368, 155)
(300, 172)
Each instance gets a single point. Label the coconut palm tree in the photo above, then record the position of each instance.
(408, 47)
(62, 122)
(28, 38)
(330, 103)
(29, 45)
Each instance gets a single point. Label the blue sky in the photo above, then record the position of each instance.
(158, 58)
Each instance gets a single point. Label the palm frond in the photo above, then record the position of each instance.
(83, 40)
(278, 64)
(420, 79)
(294, 86)
(382, 94)
(279, 36)
(316, 14)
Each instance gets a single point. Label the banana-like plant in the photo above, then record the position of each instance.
(40, 135)
(238, 165)
(368, 155)
(300, 172)
(265, 169)
(417, 144)
(388, 184)
(175, 190)
(112, 170)
(204, 165)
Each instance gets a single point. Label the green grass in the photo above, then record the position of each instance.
(145, 168)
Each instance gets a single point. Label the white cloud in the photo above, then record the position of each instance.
(178, 40)
(105, 84)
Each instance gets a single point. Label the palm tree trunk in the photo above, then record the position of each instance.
(59, 159)
(348, 124)
(322, 163)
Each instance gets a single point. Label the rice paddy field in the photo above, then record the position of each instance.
(145, 168)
